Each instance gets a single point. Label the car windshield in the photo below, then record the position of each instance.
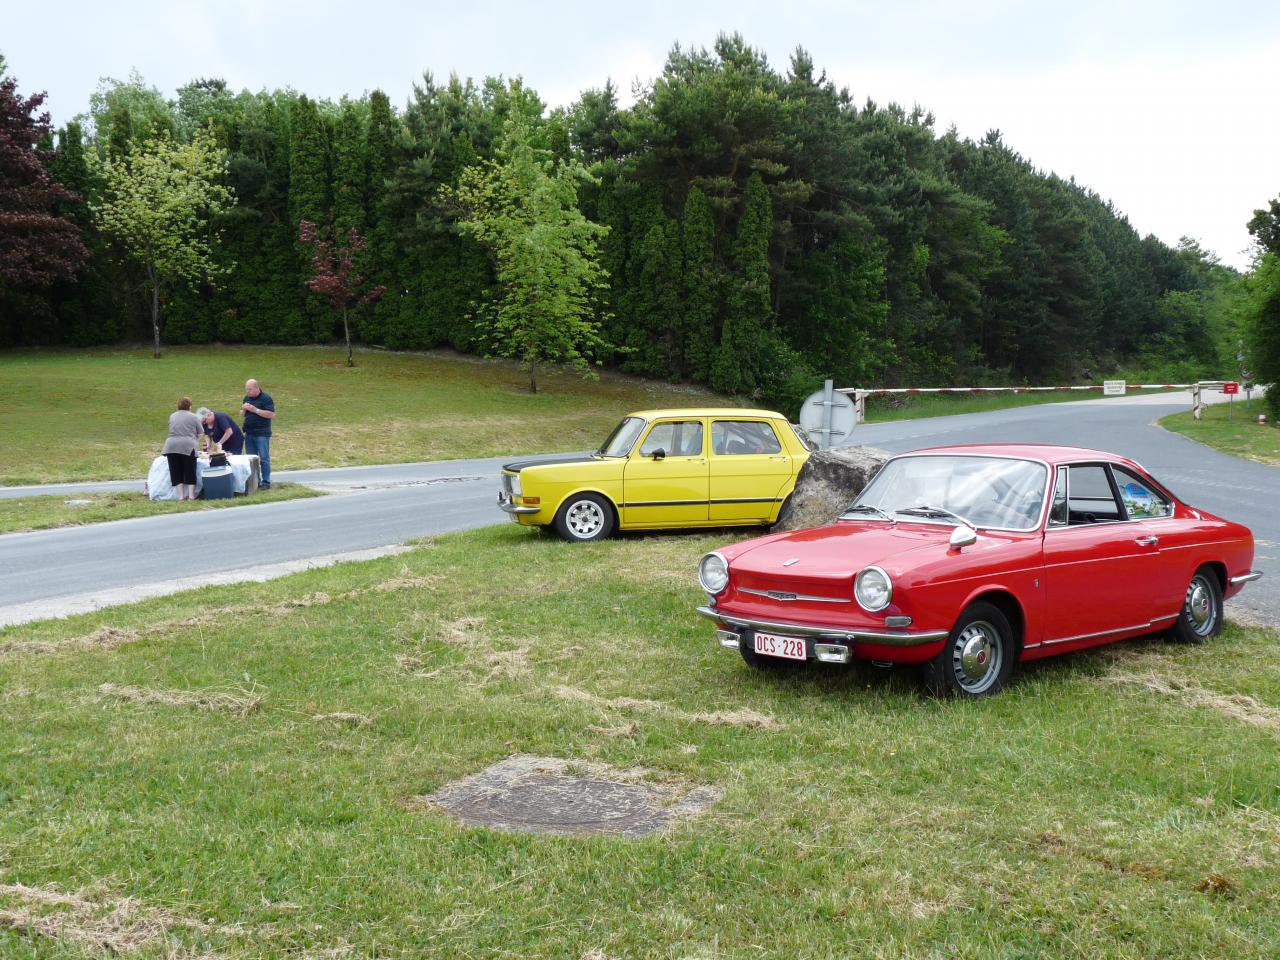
(622, 439)
(991, 492)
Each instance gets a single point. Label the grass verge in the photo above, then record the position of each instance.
(103, 414)
(19, 514)
(1241, 436)
(238, 776)
(914, 406)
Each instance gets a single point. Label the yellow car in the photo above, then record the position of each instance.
(663, 468)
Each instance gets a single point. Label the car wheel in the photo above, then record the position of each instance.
(977, 658)
(1201, 615)
(782, 512)
(585, 517)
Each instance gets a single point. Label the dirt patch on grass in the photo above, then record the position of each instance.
(745, 717)
(573, 797)
(104, 638)
(343, 719)
(1238, 706)
(97, 925)
(240, 704)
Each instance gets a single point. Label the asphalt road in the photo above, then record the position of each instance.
(377, 507)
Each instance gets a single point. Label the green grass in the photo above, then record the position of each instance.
(916, 405)
(103, 414)
(1083, 813)
(1242, 435)
(40, 513)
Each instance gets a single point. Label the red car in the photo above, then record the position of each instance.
(969, 559)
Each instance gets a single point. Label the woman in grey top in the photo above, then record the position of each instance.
(180, 449)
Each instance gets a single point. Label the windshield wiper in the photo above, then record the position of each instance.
(861, 507)
(923, 510)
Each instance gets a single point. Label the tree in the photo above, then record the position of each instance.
(1265, 227)
(739, 361)
(158, 204)
(522, 206)
(350, 170)
(39, 242)
(334, 272)
(1264, 327)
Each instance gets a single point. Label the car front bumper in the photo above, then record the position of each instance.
(505, 504)
(888, 638)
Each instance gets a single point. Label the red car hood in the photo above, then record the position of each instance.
(838, 551)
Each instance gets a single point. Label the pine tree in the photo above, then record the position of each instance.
(308, 164)
(350, 172)
(739, 362)
(700, 278)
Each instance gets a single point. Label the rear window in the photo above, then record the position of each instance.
(730, 438)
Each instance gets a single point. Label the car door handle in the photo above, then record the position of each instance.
(1147, 541)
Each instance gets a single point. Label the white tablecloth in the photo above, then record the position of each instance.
(158, 486)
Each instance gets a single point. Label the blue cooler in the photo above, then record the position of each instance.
(219, 483)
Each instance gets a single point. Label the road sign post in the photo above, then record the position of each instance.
(1230, 388)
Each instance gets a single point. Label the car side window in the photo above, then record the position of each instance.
(1059, 513)
(731, 438)
(676, 438)
(1140, 500)
(1091, 499)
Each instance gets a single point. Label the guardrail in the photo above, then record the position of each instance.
(1108, 388)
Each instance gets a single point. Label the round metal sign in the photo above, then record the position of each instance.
(829, 418)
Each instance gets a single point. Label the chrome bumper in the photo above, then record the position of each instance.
(892, 638)
(509, 507)
(1247, 577)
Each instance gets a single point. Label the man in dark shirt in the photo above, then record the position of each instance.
(222, 430)
(259, 410)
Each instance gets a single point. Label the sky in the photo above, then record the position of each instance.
(1168, 109)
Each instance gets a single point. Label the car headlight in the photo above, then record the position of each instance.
(873, 589)
(515, 485)
(713, 573)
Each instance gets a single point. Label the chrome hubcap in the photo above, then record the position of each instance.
(976, 657)
(1201, 615)
(585, 518)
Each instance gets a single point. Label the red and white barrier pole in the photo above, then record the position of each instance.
(860, 394)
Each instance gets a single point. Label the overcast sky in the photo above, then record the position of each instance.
(1169, 108)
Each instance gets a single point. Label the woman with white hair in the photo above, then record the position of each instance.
(222, 430)
(180, 449)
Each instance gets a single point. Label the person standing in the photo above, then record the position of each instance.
(259, 410)
(222, 430)
(180, 448)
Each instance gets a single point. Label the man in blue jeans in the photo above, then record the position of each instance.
(259, 410)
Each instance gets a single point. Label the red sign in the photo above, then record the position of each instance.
(1231, 387)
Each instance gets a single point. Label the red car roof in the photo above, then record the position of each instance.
(1051, 453)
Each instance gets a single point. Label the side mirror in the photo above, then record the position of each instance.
(963, 537)
(659, 454)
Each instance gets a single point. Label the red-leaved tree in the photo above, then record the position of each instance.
(334, 274)
(37, 246)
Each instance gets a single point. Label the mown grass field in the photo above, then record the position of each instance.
(1241, 436)
(103, 414)
(916, 405)
(240, 776)
(18, 514)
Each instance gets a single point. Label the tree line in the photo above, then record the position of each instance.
(740, 226)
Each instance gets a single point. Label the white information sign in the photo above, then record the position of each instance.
(1113, 388)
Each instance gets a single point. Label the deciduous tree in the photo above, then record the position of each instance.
(158, 204)
(522, 206)
(39, 242)
(335, 274)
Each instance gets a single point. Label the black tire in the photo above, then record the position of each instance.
(977, 659)
(782, 512)
(1201, 615)
(585, 517)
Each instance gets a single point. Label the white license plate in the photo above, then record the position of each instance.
(788, 648)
